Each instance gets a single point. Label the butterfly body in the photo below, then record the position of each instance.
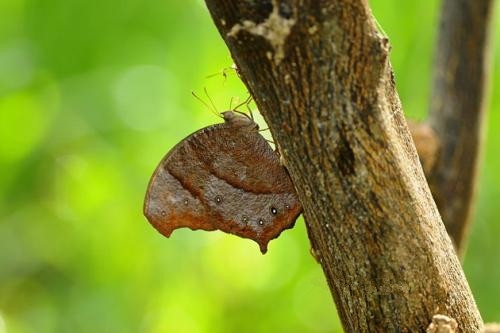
(223, 177)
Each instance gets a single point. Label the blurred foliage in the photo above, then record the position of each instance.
(92, 95)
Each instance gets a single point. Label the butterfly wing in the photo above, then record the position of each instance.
(227, 178)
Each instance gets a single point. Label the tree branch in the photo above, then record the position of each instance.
(320, 75)
(457, 109)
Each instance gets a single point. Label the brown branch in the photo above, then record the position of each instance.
(457, 109)
(320, 75)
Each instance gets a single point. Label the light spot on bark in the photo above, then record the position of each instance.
(442, 324)
(275, 29)
(312, 29)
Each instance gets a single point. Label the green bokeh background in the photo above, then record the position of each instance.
(92, 95)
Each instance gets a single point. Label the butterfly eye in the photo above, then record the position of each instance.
(273, 210)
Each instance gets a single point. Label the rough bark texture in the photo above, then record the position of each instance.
(320, 75)
(457, 109)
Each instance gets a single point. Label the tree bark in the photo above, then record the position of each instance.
(320, 75)
(457, 110)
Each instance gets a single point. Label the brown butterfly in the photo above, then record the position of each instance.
(223, 177)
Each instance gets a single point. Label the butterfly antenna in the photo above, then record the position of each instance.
(210, 107)
(214, 108)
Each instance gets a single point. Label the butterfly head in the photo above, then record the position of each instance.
(239, 119)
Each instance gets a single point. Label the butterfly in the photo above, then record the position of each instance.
(223, 177)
